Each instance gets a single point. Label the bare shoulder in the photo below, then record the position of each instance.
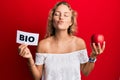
(80, 42)
(43, 45)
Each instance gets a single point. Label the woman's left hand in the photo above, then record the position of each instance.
(97, 49)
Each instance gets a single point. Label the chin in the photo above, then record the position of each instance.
(62, 27)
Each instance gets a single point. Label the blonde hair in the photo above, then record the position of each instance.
(50, 28)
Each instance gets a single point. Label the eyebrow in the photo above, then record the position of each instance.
(64, 12)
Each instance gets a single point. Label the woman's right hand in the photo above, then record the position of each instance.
(24, 51)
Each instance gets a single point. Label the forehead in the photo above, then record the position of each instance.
(63, 8)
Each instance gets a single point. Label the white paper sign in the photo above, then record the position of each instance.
(27, 38)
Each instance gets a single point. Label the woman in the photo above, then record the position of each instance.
(61, 55)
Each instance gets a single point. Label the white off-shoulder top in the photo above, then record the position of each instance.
(64, 66)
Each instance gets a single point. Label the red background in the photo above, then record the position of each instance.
(94, 16)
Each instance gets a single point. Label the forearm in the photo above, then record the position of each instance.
(35, 72)
(88, 67)
(96, 50)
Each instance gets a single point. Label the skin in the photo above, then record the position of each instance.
(61, 43)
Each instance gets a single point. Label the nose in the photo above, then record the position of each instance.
(61, 17)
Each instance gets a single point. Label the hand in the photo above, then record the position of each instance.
(96, 50)
(24, 51)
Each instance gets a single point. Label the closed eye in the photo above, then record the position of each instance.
(57, 14)
(66, 14)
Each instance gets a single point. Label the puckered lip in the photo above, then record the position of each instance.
(60, 21)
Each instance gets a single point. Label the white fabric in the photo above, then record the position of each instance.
(62, 66)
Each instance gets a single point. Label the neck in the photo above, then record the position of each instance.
(62, 35)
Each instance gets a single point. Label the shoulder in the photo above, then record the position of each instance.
(80, 42)
(43, 45)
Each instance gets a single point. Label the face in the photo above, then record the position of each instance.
(62, 17)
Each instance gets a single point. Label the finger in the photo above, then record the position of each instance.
(25, 52)
(27, 49)
(99, 46)
(22, 45)
(22, 54)
(91, 45)
(95, 48)
(22, 49)
(99, 49)
(19, 48)
(103, 47)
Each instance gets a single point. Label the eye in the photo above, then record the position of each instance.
(66, 14)
(56, 13)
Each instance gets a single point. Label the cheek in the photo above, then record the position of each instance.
(54, 22)
(55, 19)
(68, 21)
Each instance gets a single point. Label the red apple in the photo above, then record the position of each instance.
(97, 38)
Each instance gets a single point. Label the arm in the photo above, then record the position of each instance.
(89, 66)
(86, 68)
(35, 70)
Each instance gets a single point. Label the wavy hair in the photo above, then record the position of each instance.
(50, 28)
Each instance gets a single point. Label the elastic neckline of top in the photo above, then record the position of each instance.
(62, 53)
